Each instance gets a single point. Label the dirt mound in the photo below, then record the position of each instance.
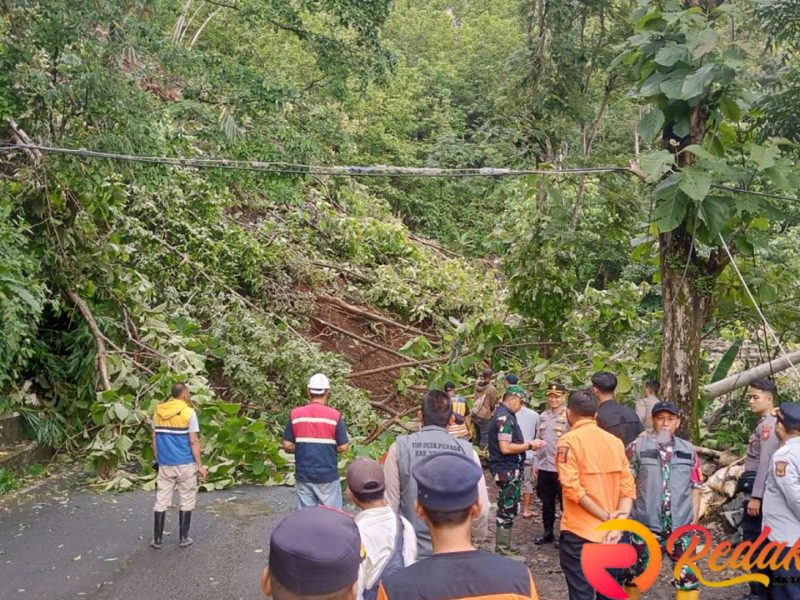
(369, 341)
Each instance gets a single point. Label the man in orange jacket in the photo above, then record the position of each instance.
(597, 486)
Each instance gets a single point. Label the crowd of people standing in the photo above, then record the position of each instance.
(425, 509)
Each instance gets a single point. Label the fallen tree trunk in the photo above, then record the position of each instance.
(369, 315)
(410, 363)
(359, 338)
(727, 385)
(99, 338)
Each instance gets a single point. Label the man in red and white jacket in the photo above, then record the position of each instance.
(315, 434)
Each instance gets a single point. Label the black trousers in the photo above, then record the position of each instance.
(784, 584)
(548, 489)
(569, 553)
(751, 529)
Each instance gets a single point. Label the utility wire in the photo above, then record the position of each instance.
(287, 168)
(303, 169)
(767, 326)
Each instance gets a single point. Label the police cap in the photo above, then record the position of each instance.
(556, 387)
(789, 415)
(447, 481)
(315, 551)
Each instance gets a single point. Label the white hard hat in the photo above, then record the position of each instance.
(318, 384)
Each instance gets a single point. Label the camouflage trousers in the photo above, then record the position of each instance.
(687, 581)
(509, 492)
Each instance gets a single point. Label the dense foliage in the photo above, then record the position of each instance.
(118, 278)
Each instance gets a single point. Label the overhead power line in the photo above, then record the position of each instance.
(767, 326)
(303, 169)
(287, 168)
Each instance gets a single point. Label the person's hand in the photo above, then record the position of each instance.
(537, 444)
(536, 473)
(618, 514)
(612, 537)
(202, 472)
(754, 507)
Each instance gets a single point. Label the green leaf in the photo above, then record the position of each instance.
(259, 467)
(673, 86)
(121, 411)
(681, 127)
(699, 151)
(671, 54)
(655, 164)
(764, 156)
(730, 109)
(229, 408)
(670, 211)
(624, 384)
(695, 183)
(715, 211)
(652, 85)
(651, 124)
(725, 363)
(768, 293)
(703, 43)
(696, 83)
(779, 175)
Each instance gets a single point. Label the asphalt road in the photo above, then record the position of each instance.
(62, 542)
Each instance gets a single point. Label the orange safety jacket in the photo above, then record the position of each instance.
(591, 462)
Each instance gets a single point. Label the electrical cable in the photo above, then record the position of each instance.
(758, 308)
(303, 169)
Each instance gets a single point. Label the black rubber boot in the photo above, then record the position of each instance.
(546, 538)
(184, 522)
(158, 528)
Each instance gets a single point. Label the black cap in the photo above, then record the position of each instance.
(315, 551)
(512, 379)
(665, 407)
(789, 414)
(447, 481)
(556, 387)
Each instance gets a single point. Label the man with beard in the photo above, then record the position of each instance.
(668, 480)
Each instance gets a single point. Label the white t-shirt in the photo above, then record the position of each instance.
(194, 426)
(528, 420)
(378, 528)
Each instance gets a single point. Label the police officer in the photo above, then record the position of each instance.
(668, 480)
(763, 443)
(507, 449)
(314, 552)
(552, 425)
(782, 501)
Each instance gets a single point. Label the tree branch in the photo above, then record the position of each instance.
(359, 338)
(99, 338)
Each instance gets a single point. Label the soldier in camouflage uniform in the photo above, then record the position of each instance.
(506, 456)
(552, 425)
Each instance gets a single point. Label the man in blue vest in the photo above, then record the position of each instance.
(668, 479)
(177, 451)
